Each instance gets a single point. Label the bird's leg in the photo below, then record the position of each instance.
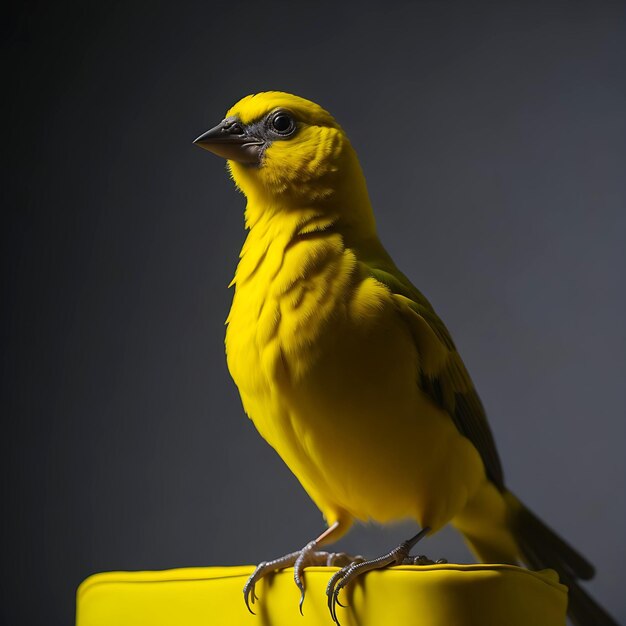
(398, 556)
(307, 557)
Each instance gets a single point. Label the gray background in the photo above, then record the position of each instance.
(492, 137)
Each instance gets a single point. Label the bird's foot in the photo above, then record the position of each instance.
(307, 557)
(348, 573)
(422, 559)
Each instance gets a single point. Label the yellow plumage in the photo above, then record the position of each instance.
(340, 361)
(324, 354)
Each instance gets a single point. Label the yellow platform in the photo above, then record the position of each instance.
(435, 595)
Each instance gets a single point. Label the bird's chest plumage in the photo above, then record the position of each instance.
(324, 365)
(290, 291)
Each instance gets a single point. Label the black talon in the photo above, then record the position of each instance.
(329, 602)
(329, 599)
(335, 603)
(246, 598)
(332, 595)
(343, 606)
(298, 566)
(301, 587)
(301, 603)
(249, 589)
(333, 589)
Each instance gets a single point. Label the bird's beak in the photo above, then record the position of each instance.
(230, 140)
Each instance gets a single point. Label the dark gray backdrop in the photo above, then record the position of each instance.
(492, 137)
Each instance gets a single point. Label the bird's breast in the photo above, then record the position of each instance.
(288, 293)
(328, 372)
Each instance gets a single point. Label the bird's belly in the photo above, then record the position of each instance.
(361, 436)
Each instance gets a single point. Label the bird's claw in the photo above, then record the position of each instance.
(333, 601)
(249, 593)
(422, 559)
(353, 567)
(340, 579)
(300, 560)
(337, 582)
(263, 568)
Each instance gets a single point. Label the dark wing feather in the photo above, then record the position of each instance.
(443, 375)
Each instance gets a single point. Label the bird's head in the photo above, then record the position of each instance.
(285, 150)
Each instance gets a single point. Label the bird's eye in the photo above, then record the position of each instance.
(282, 123)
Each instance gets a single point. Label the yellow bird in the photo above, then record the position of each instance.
(346, 369)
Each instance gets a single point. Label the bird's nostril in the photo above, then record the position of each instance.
(233, 129)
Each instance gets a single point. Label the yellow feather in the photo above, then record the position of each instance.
(344, 366)
(321, 351)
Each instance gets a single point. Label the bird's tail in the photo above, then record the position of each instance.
(540, 547)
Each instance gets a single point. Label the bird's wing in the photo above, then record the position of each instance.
(442, 373)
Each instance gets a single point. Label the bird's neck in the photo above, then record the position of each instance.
(276, 226)
(338, 192)
(276, 232)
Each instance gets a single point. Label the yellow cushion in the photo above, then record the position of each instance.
(436, 595)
